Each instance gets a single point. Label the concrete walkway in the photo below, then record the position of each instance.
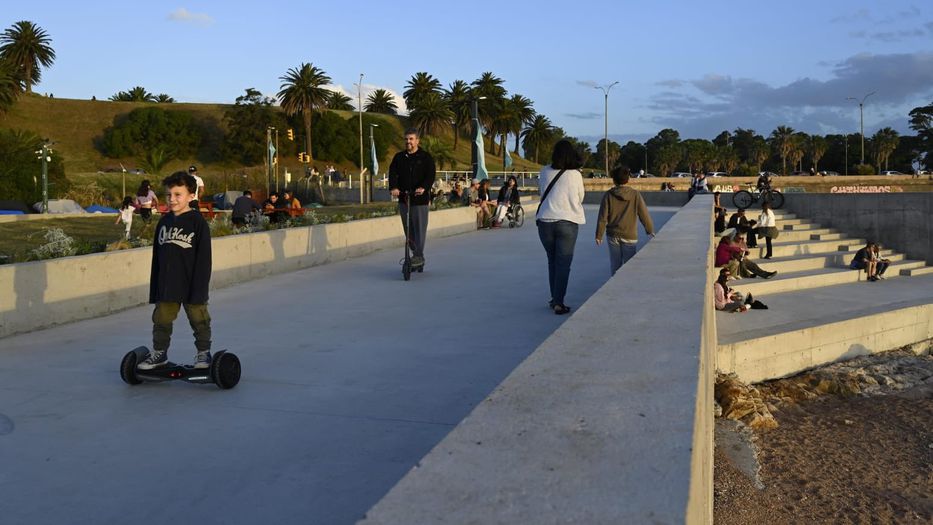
(350, 375)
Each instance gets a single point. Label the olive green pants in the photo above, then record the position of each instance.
(164, 316)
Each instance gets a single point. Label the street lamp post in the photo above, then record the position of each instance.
(606, 90)
(45, 155)
(861, 118)
(359, 94)
(646, 158)
(847, 154)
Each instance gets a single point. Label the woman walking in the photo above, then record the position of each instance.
(146, 200)
(560, 214)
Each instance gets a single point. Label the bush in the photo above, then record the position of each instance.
(57, 244)
(864, 169)
(146, 129)
(21, 169)
(745, 170)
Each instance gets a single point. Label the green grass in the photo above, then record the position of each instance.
(75, 124)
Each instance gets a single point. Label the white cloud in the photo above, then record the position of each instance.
(183, 15)
(367, 90)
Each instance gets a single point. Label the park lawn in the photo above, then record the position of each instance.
(92, 233)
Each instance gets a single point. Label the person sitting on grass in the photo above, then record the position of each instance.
(273, 207)
(864, 260)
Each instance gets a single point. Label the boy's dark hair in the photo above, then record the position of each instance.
(247, 193)
(565, 156)
(621, 175)
(180, 178)
(413, 131)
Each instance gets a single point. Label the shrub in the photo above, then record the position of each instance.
(147, 129)
(21, 170)
(57, 244)
(864, 169)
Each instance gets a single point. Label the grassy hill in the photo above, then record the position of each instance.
(75, 124)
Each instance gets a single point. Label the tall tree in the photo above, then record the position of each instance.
(613, 152)
(381, 101)
(302, 91)
(11, 85)
(816, 147)
(884, 142)
(489, 86)
(246, 123)
(798, 148)
(27, 46)
(758, 152)
(921, 121)
(537, 133)
(339, 102)
(523, 113)
(782, 141)
(431, 113)
(667, 158)
(458, 96)
(419, 86)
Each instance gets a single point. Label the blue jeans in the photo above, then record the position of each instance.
(558, 239)
(619, 253)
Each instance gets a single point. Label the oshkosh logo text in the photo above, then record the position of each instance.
(175, 236)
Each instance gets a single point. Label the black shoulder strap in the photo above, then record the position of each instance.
(548, 190)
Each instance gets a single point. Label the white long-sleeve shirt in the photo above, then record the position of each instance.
(766, 219)
(565, 202)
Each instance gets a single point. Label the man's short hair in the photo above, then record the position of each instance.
(412, 131)
(247, 193)
(180, 178)
(621, 175)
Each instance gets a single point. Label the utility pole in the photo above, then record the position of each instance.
(359, 94)
(606, 90)
(861, 118)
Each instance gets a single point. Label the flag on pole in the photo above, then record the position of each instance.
(372, 155)
(508, 158)
(481, 172)
(271, 153)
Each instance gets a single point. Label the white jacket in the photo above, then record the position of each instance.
(766, 219)
(565, 202)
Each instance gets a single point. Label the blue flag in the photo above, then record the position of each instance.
(508, 158)
(271, 153)
(481, 172)
(372, 155)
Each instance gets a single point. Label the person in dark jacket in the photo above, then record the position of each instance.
(243, 206)
(411, 175)
(744, 226)
(180, 274)
(864, 260)
(508, 196)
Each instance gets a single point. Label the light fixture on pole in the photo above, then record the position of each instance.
(861, 118)
(45, 156)
(605, 89)
(359, 94)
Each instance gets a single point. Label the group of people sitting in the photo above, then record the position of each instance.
(477, 194)
(276, 207)
(733, 256)
(765, 227)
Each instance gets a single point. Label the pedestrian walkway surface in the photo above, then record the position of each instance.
(350, 376)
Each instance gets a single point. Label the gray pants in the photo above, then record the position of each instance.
(619, 253)
(419, 226)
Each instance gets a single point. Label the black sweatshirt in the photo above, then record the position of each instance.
(411, 171)
(181, 259)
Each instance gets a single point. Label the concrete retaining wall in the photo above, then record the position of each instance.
(39, 294)
(608, 421)
(652, 198)
(896, 220)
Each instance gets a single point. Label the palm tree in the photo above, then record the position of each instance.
(440, 151)
(302, 92)
(155, 160)
(538, 132)
(339, 102)
(798, 149)
(162, 98)
(458, 98)
(26, 46)
(431, 113)
(137, 94)
(758, 152)
(781, 140)
(381, 101)
(10, 85)
(523, 113)
(419, 86)
(884, 142)
(817, 148)
(490, 86)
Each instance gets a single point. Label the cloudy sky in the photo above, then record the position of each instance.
(697, 67)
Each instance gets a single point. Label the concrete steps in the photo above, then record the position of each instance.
(914, 272)
(815, 278)
(782, 248)
(800, 263)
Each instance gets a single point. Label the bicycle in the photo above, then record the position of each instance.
(744, 199)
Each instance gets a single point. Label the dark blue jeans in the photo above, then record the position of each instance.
(558, 239)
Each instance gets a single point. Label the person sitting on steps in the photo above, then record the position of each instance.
(729, 300)
(864, 260)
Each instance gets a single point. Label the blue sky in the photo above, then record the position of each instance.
(697, 67)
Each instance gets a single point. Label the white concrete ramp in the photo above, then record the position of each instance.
(350, 376)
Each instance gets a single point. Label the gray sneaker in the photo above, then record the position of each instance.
(417, 260)
(155, 359)
(202, 360)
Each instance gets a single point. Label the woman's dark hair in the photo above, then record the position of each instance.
(511, 178)
(127, 202)
(723, 279)
(565, 156)
(143, 188)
